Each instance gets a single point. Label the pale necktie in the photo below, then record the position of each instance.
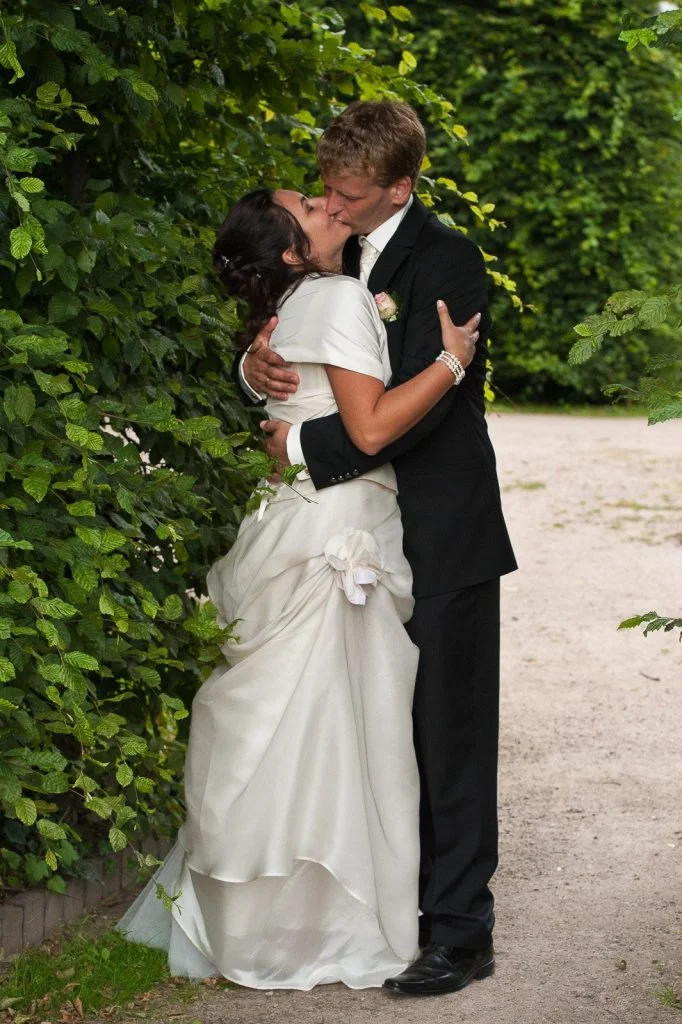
(368, 256)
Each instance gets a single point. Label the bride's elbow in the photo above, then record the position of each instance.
(368, 442)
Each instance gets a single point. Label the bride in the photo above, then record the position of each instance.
(298, 861)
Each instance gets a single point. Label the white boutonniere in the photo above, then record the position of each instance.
(388, 306)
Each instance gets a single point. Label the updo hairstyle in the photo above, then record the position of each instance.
(247, 256)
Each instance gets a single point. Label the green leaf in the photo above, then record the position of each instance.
(82, 660)
(90, 536)
(86, 260)
(37, 486)
(172, 607)
(373, 13)
(9, 59)
(18, 159)
(10, 788)
(124, 775)
(124, 815)
(638, 36)
(24, 403)
(77, 366)
(107, 606)
(133, 745)
(87, 439)
(653, 311)
(126, 499)
(50, 632)
(19, 592)
(55, 782)
(49, 760)
(86, 116)
(20, 243)
(145, 90)
(31, 185)
(582, 350)
(25, 810)
(400, 13)
(73, 408)
(101, 806)
(48, 92)
(63, 306)
(81, 508)
(85, 575)
(117, 838)
(10, 320)
(83, 732)
(6, 670)
(53, 385)
(55, 608)
(50, 829)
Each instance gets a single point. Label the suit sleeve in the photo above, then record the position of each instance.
(243, 394)
(457, 275)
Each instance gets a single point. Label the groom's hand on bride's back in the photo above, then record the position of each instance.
(265, 371)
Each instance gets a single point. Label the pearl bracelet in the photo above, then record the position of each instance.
(453, 364)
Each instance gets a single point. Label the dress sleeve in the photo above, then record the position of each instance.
(353, 330)
(339, 326)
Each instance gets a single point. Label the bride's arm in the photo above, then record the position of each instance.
(373, 417)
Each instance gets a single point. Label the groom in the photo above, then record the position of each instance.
(454, 534)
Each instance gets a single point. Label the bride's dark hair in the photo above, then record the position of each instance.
(247, 255)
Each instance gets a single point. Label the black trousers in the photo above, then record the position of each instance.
(456, 719)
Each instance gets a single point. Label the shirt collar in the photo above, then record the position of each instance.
(382, 235)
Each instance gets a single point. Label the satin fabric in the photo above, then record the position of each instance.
(298, 862)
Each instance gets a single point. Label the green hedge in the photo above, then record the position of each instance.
(571, 137)
(125, 133)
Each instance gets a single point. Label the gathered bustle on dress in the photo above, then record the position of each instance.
(298, 861)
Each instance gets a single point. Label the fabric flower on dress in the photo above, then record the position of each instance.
(354, 556)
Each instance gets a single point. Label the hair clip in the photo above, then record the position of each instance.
(225, 260)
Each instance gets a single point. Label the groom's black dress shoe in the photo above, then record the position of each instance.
(442, 969)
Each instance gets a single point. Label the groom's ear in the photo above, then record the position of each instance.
(401, 190)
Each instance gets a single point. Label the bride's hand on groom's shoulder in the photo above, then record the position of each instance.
(264, 370)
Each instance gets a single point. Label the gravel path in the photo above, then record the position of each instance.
(589, 881)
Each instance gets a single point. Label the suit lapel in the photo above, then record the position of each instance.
(398, 248)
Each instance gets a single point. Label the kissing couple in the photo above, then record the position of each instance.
(341, 770)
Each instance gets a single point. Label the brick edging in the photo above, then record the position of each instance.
(30, 917)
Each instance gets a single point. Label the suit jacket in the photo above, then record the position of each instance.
(455, 534)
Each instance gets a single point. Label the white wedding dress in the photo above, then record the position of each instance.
(298, 862)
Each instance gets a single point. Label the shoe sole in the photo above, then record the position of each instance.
(486, 971)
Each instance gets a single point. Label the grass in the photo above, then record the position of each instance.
(669, 997)
(525, 485)
(613, 411)
(85, 975)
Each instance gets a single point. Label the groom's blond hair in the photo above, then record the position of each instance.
(382, 139)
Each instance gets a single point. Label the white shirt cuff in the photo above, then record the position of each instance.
(252, 394)
(295, 451)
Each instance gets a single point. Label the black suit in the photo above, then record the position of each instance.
(457, 544)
